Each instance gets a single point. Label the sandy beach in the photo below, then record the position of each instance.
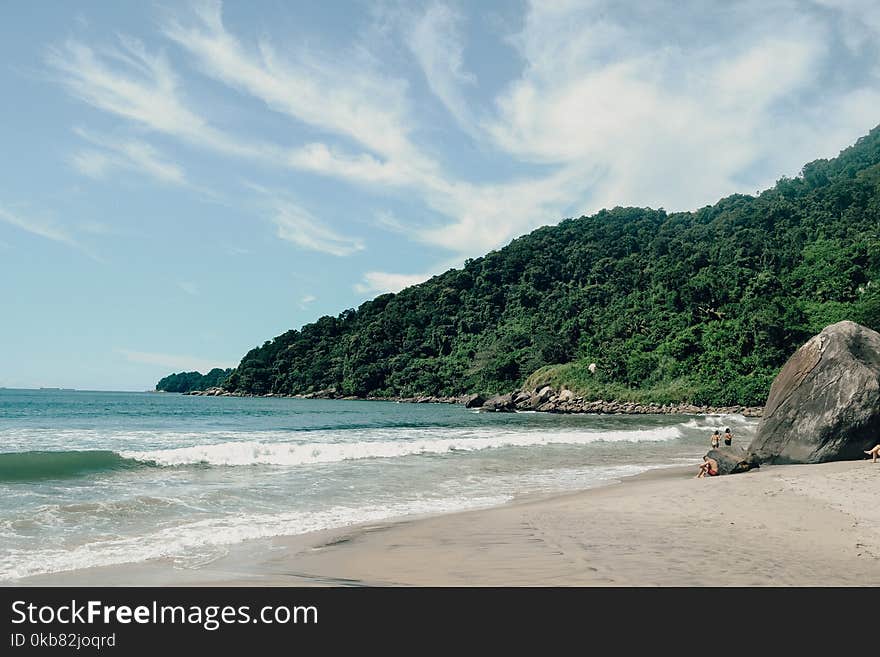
(797, 525)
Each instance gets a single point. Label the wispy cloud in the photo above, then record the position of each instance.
(338, 94)
(635, 106)
(307, 300)
(341, 95)
(436, 43)
(190, 288)
(346, 100)
(372, 109)
(38, 226)
(172, 362)
(387, 220)
(129, 81)
(297, 225)
(859, 22)
(379, 281)
(124, 154)
(624, 99)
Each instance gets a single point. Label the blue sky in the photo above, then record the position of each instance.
(182, 181)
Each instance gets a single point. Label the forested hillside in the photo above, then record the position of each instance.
(186, 381)
(700, 306)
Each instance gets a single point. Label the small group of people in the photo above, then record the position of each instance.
(709, 466)
(716, 438)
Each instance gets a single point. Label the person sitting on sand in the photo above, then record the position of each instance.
(873, 452)
(716, 439)
(709, 466)
(728, 437)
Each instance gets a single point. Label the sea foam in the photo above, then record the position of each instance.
(304, 453)
(202, 540)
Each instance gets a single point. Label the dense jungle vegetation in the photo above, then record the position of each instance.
(186, 381)
(700, 306)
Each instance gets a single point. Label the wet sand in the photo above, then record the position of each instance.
(797, 525)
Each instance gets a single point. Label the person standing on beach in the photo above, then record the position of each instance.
(873, 452)
(716, 439)
(728, 437)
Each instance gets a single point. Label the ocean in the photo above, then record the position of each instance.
(102, 478)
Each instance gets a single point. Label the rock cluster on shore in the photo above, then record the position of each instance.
(549, 400)
(545, 400)
(332, 394)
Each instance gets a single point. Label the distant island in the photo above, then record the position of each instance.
(188, 381)
(630, 304)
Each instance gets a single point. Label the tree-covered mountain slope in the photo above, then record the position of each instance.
(700, 306)
(187, 381)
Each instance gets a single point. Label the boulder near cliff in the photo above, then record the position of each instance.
(825, 403)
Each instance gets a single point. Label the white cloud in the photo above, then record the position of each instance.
(860, 21)
(329, 92)
(190, 288)
(140, 86)
(173, 362)
(297, 225)
(347, 99)
(307, 300)
(338, 93)
(379, 282)
(126, 154)
(487, 216)
(38, 226)
(641, 105)
(436, 44)
(387, 220)
(135, 84)
(671, 122)
(91, 163)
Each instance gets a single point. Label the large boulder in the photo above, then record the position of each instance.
(825, 403)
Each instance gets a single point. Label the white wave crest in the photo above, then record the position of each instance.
(204, 538)
(720, 422)
(260, 453)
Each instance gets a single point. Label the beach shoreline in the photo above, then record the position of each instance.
(793, 525)
(530, 401)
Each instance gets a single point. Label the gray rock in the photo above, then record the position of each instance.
(544, 394)
(474, 401)
(733, 460)
(825, 403)
(499, 403)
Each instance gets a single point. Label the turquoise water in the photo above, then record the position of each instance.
(100, 478)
